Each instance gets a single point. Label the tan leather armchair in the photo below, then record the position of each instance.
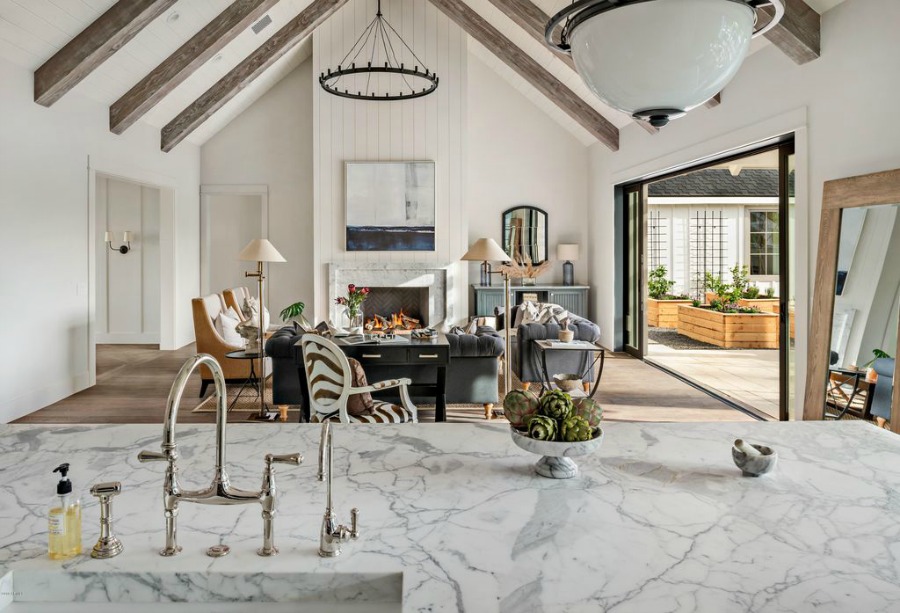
(234, 298)
(205, 311)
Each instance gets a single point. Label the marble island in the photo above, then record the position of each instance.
(454, 519)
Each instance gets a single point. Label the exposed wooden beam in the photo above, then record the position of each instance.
(799, 33)
(183, 62)
(531, 18)
(93, 46)
(539, 77)
(244, 73)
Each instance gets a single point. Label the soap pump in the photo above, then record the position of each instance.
(64, 519)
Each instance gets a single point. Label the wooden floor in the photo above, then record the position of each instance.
(133, 383)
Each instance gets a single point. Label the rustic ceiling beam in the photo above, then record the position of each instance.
(93, 46)
(246, 72)
(523, 64)
(185, 61)
(799, 33)
(531, 18)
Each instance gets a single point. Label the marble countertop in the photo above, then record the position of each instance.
(659, 519)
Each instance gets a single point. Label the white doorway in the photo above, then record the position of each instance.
(230, 217)
(127, 288)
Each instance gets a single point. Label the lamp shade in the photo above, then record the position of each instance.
(260, 250)
(658, 59)
(566, 252)
(486, 250)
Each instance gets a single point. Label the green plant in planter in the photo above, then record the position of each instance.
(729, 293)
(751, 293)
(879, 354)
(770, 292)
(659, 286)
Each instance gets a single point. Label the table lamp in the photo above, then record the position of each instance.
(567, 253)
(486, 250)
(260, 250)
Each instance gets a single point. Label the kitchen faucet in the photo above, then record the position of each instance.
(220, 491)
(332, 535)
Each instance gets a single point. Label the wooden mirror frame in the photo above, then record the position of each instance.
(880, 188)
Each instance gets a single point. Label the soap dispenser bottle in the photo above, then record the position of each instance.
(64, 519)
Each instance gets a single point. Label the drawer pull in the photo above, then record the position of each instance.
(432, 356)
(371, 355)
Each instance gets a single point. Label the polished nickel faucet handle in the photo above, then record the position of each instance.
(108, 546)
(152, 456)
(354, 523)
(287, 458)
(268, 497)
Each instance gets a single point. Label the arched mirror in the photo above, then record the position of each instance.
(852, 371)
(525, 233)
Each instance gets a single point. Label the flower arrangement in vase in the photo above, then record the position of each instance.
(352, 304)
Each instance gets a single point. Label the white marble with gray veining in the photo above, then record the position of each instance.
(658, 520)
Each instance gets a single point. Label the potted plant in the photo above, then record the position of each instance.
(662, 304)
(768, 302)
(352, 304)
(294, 313)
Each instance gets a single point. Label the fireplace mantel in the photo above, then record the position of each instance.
(431, 275)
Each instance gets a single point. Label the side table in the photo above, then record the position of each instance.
(599, 352)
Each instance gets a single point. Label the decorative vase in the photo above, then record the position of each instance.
(355, 321)
(529, 281)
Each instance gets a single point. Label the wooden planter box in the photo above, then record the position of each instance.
(729, 330)
(663, 313)
(766, 305)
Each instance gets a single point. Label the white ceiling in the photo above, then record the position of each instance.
(31, 31)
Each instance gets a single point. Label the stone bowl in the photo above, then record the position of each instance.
(556, 461)
(754, 466)
(567, 383)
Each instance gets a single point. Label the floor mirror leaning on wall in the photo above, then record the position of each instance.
(853, 371)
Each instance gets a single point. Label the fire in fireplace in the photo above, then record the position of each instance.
(395, 308)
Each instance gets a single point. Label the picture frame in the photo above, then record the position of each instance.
(390, 206)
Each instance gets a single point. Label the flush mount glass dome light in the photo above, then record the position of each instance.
(658, 59)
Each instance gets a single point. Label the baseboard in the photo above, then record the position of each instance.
(128, 338)
(40, 398)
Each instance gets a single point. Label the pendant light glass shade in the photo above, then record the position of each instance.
(658, 59)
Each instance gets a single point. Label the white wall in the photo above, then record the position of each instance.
(47, 231)
(228, 222)
(427, 128)
(271, 144)
(836, 104)
(127, 285)
(518, 155)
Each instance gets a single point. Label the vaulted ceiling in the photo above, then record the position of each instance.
(184, 63)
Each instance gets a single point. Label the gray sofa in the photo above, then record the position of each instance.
(526, 359)
(471, 376)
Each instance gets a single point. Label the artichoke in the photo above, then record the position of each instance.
(519, 406)
(556, 404)
(542, 428)
(590, 409)
(575, 428)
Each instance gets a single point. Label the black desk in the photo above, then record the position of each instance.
(415, 352)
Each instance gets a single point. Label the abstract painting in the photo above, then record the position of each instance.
(390, 206)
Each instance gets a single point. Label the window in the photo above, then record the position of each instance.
(764, 243)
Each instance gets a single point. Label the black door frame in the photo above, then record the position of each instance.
(785, 148)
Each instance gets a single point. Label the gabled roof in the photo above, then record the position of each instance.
(713, 182)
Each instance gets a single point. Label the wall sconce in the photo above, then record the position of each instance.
(126, 238)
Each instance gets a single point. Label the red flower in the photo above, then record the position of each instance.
(351, 288)
(365, 290)
(341, 300)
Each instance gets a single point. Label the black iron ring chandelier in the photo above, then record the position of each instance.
(658, 59)
(378, 51)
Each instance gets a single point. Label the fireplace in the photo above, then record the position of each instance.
(396, 307)
(431, 279)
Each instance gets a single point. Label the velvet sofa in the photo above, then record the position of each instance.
(526, 358)
(472, 376)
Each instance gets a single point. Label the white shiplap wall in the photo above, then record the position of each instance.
(428, 128)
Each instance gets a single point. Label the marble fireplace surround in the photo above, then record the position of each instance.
(433, 276)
